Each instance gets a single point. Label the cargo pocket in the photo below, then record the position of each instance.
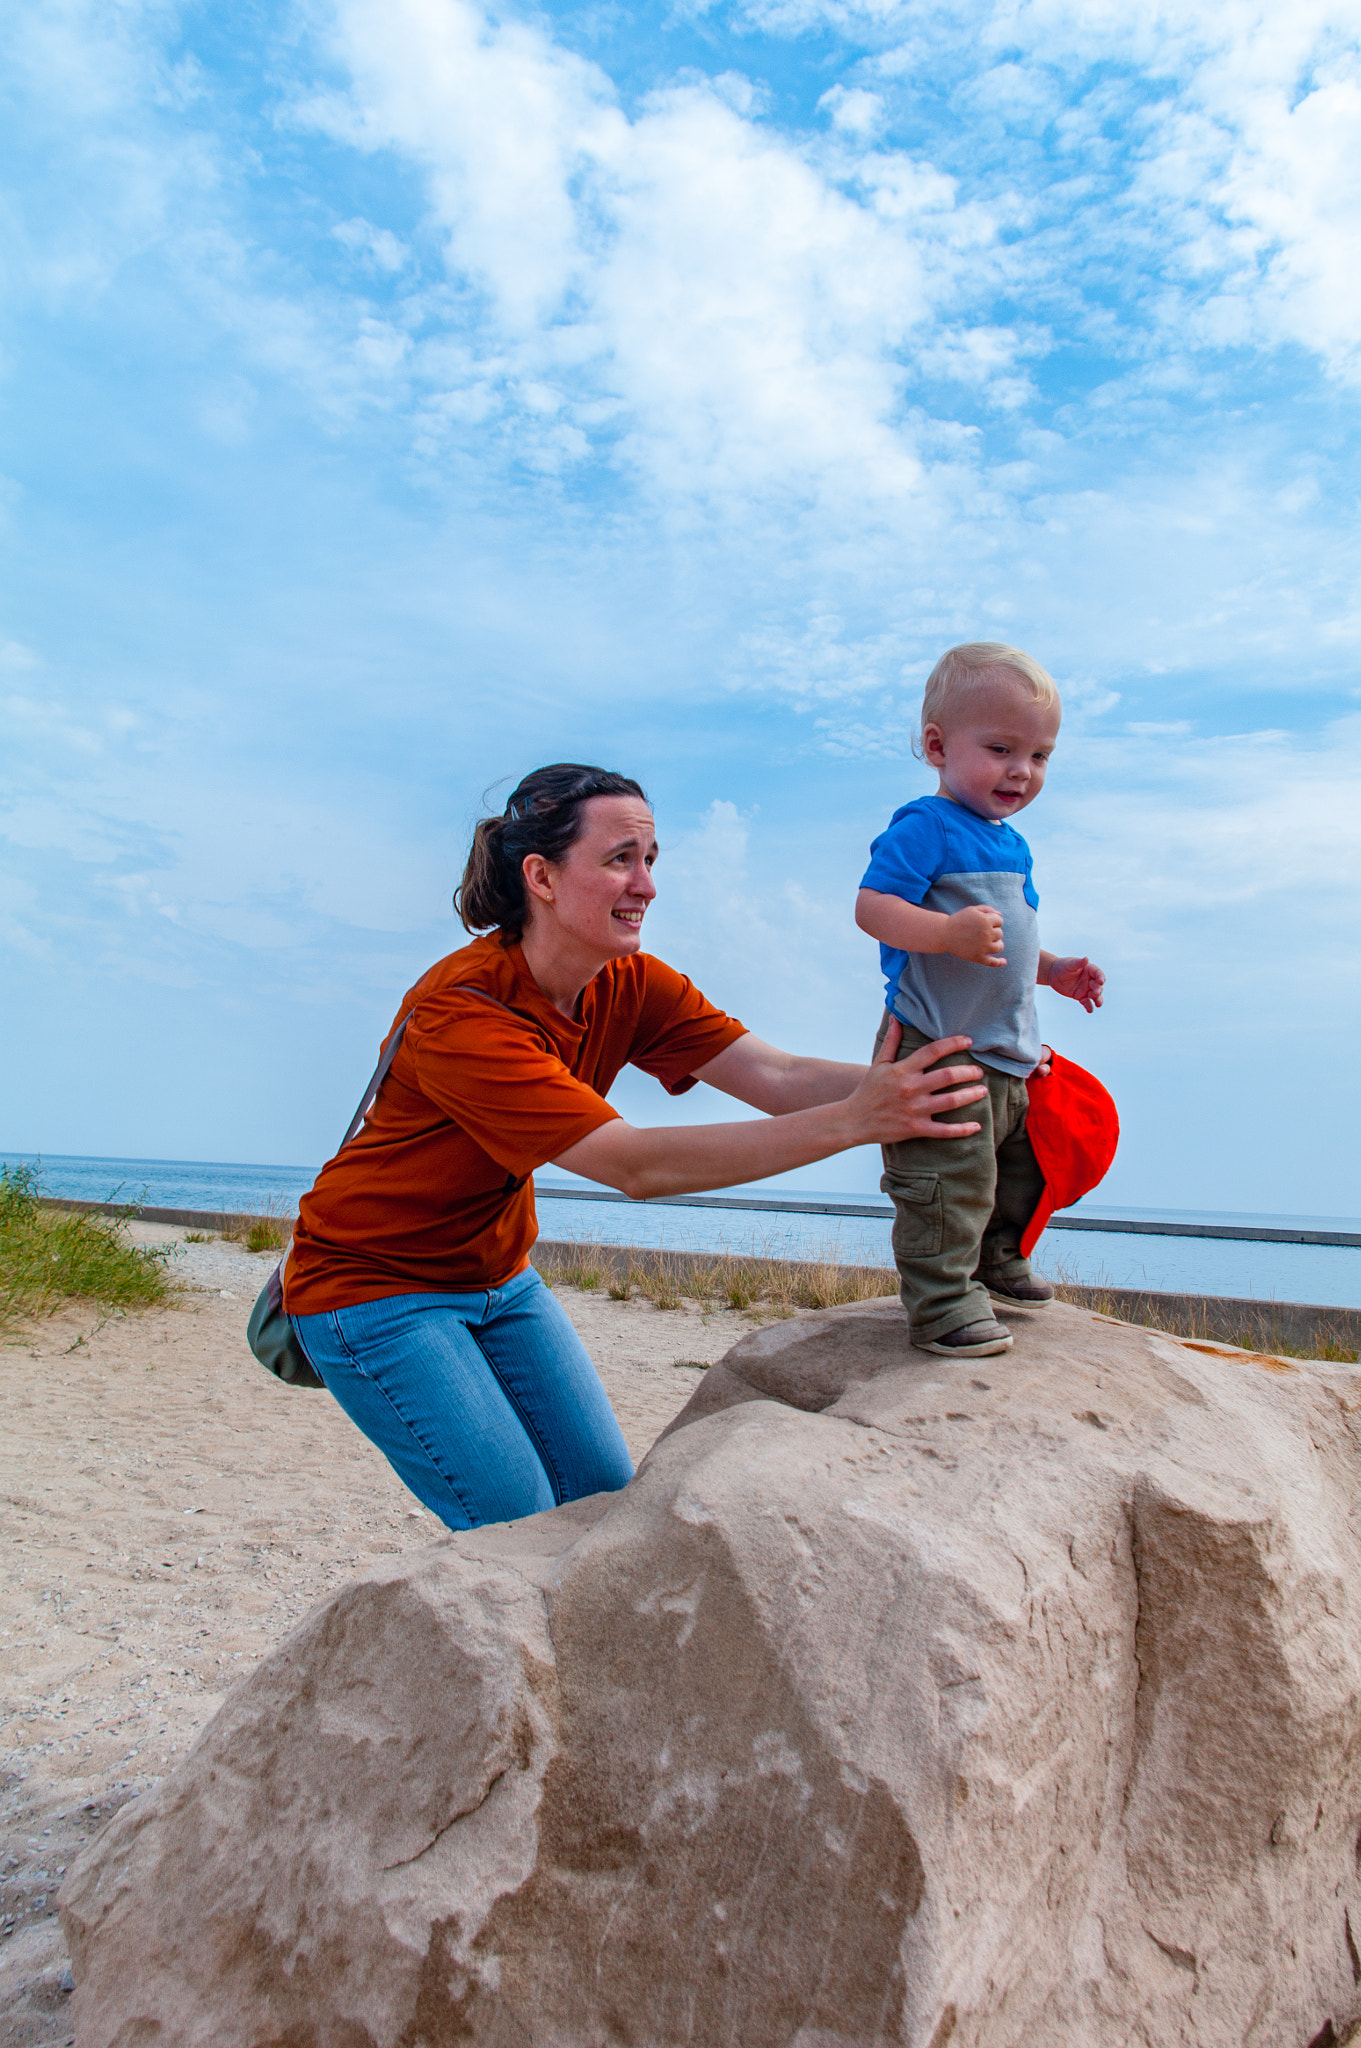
(919, 1215)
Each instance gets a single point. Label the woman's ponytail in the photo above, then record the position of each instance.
(487, 896)
(543, 816)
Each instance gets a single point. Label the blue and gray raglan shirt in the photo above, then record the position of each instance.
(942, 856)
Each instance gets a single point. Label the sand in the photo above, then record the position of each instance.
(170, 1512)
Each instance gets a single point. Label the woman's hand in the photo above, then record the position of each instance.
(899, 1099)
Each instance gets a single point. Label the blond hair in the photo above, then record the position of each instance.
(960, 672)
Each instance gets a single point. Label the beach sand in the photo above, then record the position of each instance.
(169, 1512)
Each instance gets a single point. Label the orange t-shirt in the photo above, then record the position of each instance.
(433, 1194)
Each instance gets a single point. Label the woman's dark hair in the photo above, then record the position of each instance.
(543, 816)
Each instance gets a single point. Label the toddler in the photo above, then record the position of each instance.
(949, 897)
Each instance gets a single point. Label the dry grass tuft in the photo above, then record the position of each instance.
(268, 1231)
(1327, 1348)
(724, 1279)
(1201, 1319)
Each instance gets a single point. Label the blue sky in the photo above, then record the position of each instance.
(393, 397)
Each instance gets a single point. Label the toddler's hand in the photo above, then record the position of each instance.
(976, 934)
(1080, 979)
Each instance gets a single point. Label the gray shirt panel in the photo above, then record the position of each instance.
(943, 996)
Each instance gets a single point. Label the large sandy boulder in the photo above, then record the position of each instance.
(898, 1701)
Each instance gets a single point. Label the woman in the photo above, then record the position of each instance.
(409, 1283)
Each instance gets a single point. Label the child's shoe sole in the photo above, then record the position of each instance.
(988, 1343)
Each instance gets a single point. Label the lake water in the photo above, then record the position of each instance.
(1267, 1272)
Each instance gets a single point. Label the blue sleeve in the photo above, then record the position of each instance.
(908, 857)
(1028, 889)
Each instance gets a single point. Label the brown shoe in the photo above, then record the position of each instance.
(1031, 1293)
(974, 1340)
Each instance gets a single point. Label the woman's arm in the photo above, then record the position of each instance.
(891, 1101)
(776, 1081)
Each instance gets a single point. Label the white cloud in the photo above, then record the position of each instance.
(44, 717)
(505, 122)
(1291, 194)
(821, 662)
(791, 333)
(728, 306)
(1226, 132)
(853, 110)
(98, 103)
(379, 245)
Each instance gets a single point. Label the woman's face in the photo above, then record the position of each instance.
(598, 894)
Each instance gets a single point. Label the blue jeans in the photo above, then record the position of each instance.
(486, 1404)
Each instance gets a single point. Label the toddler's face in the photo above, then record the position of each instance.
(992, 758)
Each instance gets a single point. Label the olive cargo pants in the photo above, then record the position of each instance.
(962, 1204)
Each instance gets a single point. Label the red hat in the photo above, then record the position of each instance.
(1073, 1129)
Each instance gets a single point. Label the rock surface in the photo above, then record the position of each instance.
(1013, 1703)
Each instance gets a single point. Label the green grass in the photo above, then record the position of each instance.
(51, 1256)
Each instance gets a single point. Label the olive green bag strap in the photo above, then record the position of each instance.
(269, 1332)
